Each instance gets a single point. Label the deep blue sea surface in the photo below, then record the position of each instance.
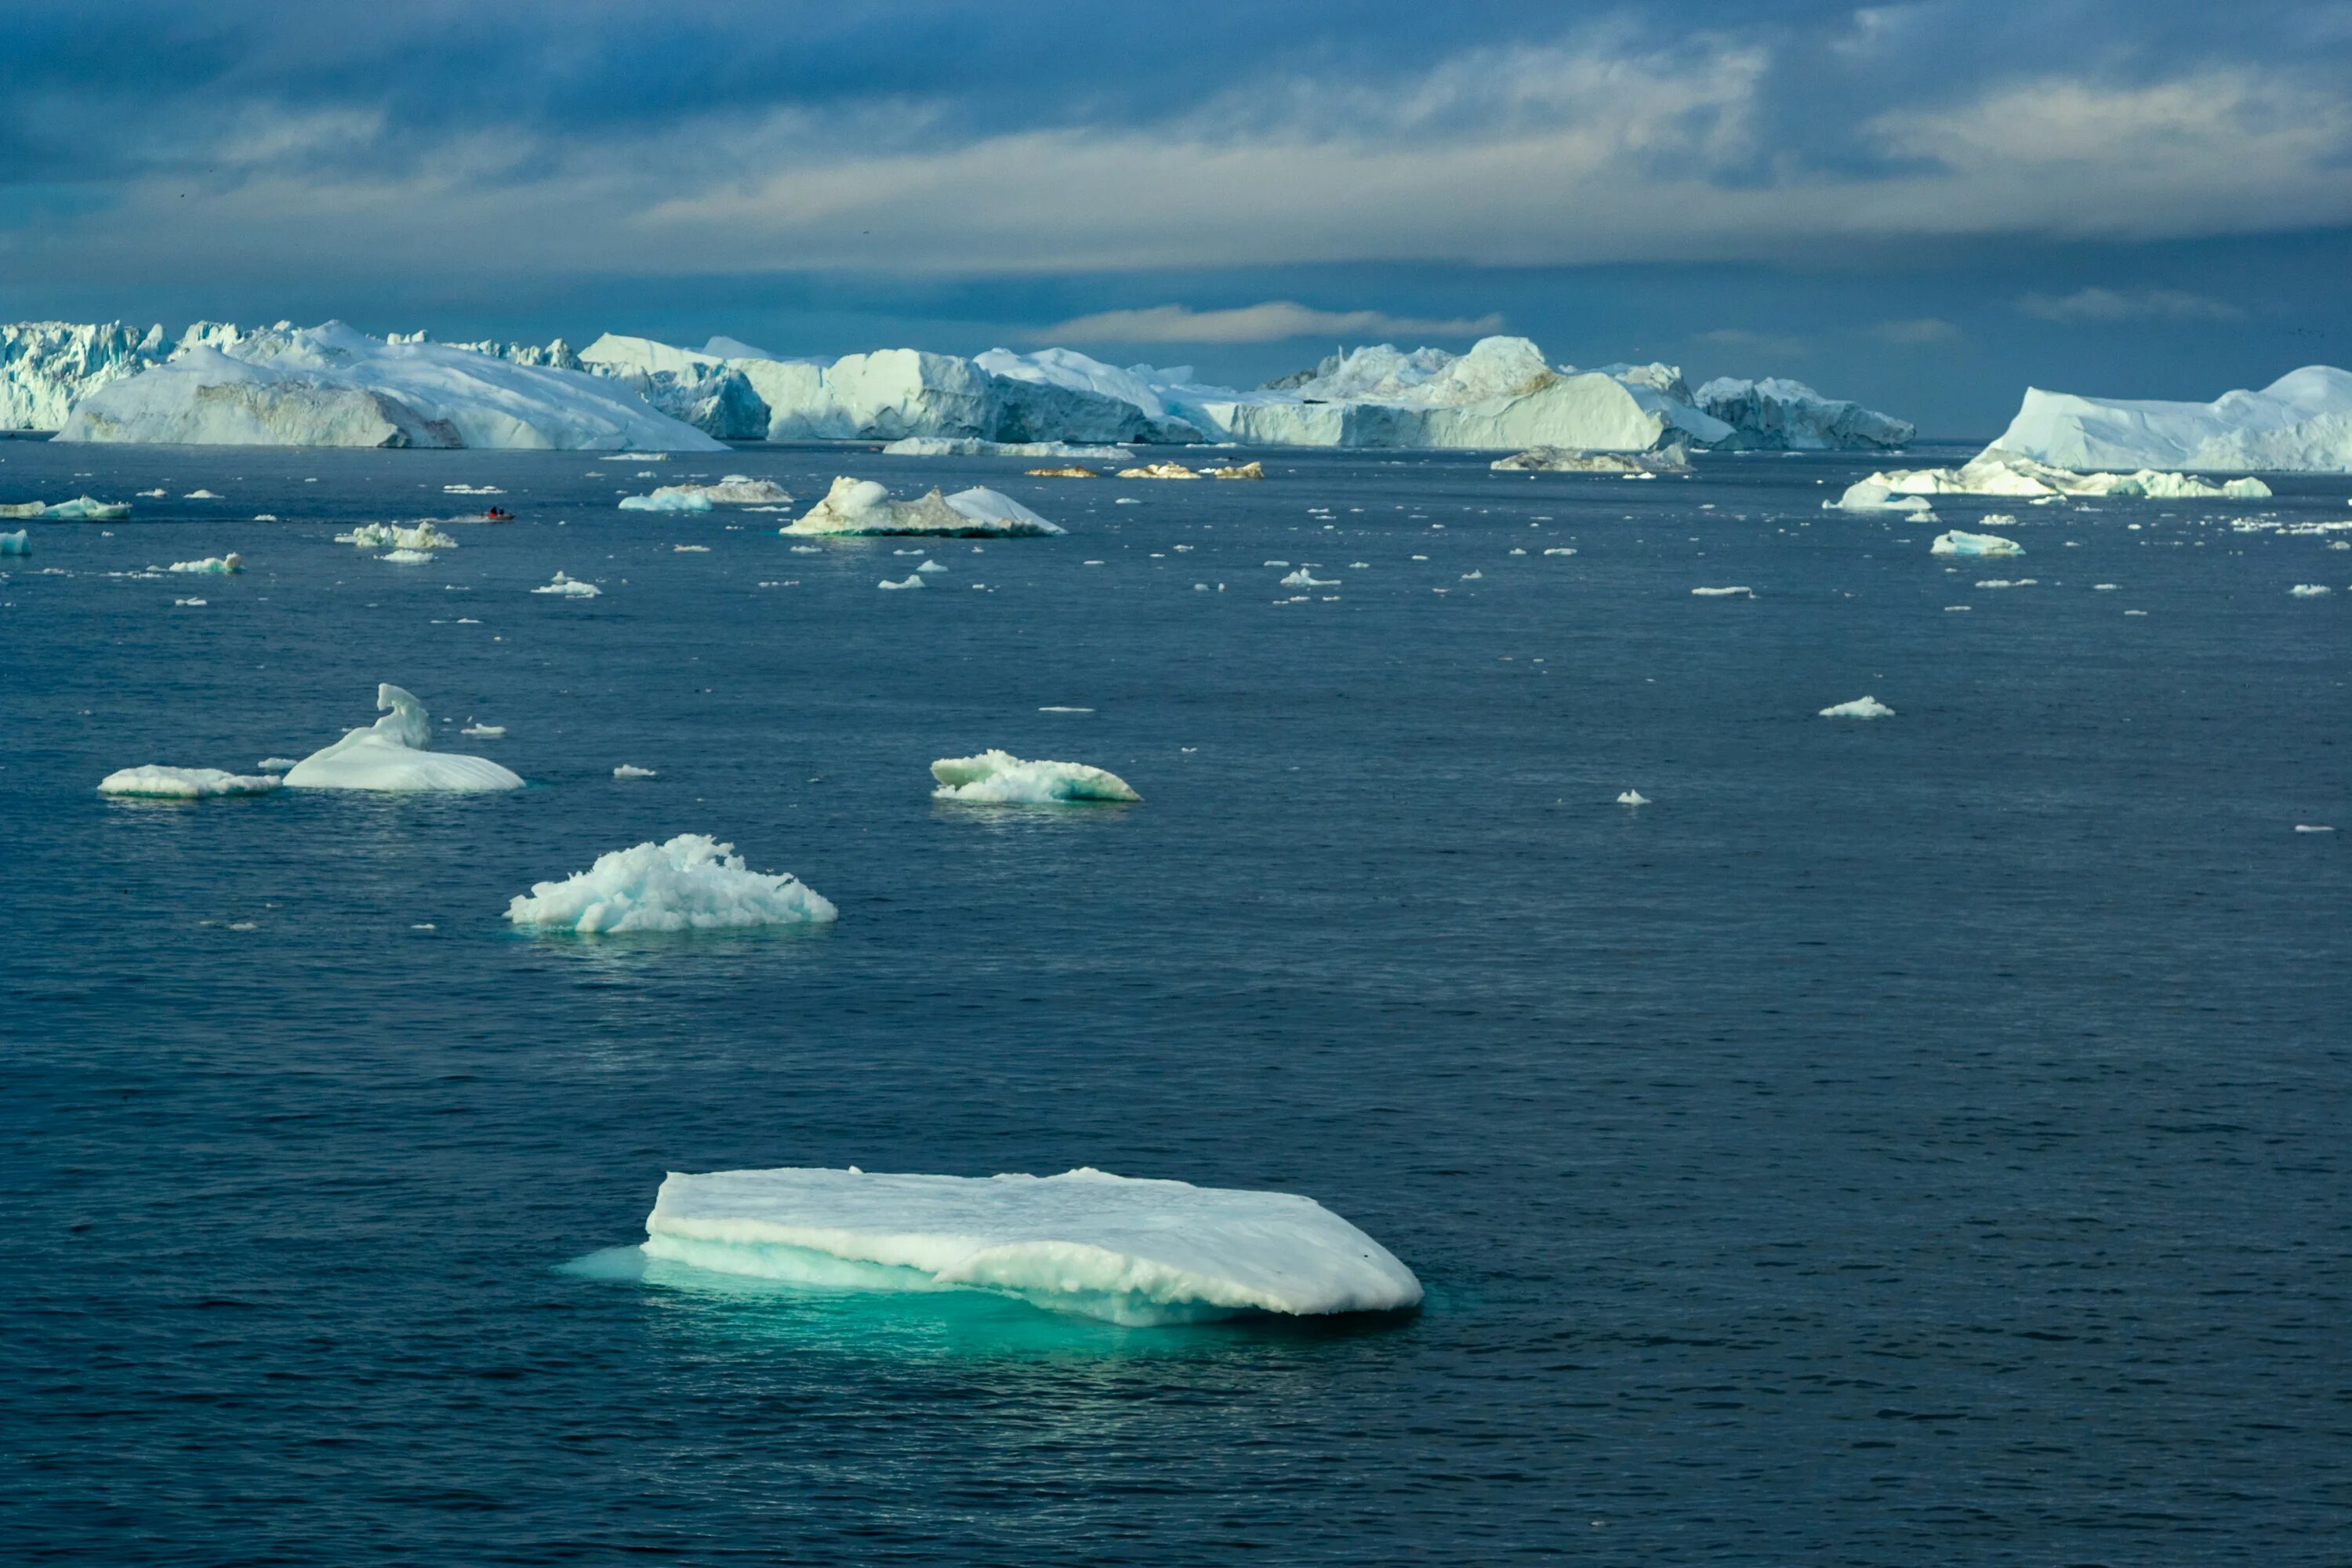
(1918, 1141)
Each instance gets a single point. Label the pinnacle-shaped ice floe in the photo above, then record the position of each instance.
(394, 754)
(1139, 1252)
(691, 883)
(1000, 778)
(156, 781)
(863, 505)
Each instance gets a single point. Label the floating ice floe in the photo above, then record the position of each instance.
(192, 604)
(1558, 549)
(1860, 708)
(485, 732)
(408, 557)
(213, 565)
(1300, 579)
(81, 509)
(567, 587)
(201, 494)
(691, 883)
(2311, 590)
(472, 490)
(856, 506)
(1162, 470)
(668, 497)
(1731, 593)
(1997, 471)
(1000, 778)
(1868, 495)
(631, 771)
(1252, 469)
(276, 764)
(973, 447)
(2301, 421)
(1958, 543)
(1673, 458)
(1633, 797)
(2010, 583)
(913, 581)
(396, 754)
(2312, 827)
(931, 565)
(17, 543)
(1138, 1252)
(1071, 471)
(384, 535)
(156, 781)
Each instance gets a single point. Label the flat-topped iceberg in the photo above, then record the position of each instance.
(1128, 1250)
(691, 883)
(1000, 778)
(156, 781)
(1996, 471)
(670, 498)
(2301, 421)
(333, 386)
(396, 754)
(855, 506)
(972, 447)
(1958, 542)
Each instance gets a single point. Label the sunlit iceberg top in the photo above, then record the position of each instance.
(2302, 420)
(1132, 1251)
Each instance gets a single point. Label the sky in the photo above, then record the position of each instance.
(1927, 206)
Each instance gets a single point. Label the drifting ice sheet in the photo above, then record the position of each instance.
(1132, 1251)
(1000, 778)
(1957, 543)
(691, 883)
(158, 782)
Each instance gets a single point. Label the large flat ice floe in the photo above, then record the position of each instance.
(1128, 1250)
(335, 386)
(394, 754)
(691, 883)
(81, 509)
(1997, 472)
(2301, 421)
(855, 506)
(156, 781)
(1000, 778)
(1958, 542)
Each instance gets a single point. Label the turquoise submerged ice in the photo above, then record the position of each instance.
(1133, 1251)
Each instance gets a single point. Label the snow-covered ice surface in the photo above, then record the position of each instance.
(693, 882)
(394, 754)
(999, 778)
(1141, 1252)
(2301, 421)
(1860, 708)
(971, 446)
(157, 782)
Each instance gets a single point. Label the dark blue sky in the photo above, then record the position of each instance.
(1927, 206)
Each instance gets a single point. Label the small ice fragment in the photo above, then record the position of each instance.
(1957, 543)
(485, 732)
(567, 587)
(630, 771)
(1733, 593)
(1633, 797)
(276, 764)
(1000, 778)
(1860, 708)
(690, 549)
(2312, 827)
(929, 565)
(200, 495)
(1554, 551)
(913, 581)
(1064, 709)
(691, 883)
(1473, 577)
(2310, 590)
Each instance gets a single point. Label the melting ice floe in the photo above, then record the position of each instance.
(1735, 591)
(1139, 1252)
(81, 509)
(17, 543)
(1000, 778)
(390, 535)
(213, 565)
(1997, 472)
(862, 506)
(1633, 797)
(972, 447)
(1957, 543)
(1673, 458)
(913, 581)
(566, 588)
(394, 754)
(691, 883)
(670, 498)
(2311, 590)
(631, 771)
(1301, 579)
(158, 782)
(1860, 708)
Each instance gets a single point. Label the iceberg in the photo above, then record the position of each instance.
(1739, 592)
(1000, 778)
(1129, 1250)
(333, 386)
(1999, 472)
(1673, 458)
(1072, 472)
(1158, 471)
(1958, 543)
(670, 498)
(1780, 414)
(972, 447)
(408, 557)
(17, 543)
(156, 781)
(1633, 797)
(912, 581)
(631, 771)
(81, 509)
(2303, 421)
(568, 587)
(2310, 590)
(46, 367)
(390, 535)
(216, 565)
(691, 883)
(855, 506)
(1302, 579)
(396, 754)
(1253, 469)
(1860, 708)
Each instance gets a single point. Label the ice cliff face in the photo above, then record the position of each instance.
(2303, 421)
(46, 367)
(333, 386)
(1780, 414)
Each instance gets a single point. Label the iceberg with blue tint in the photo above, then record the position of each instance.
(1129, 1250)
(1960, 542)
(1000, 778)
(2301, 421)
(394, 754)
(855, 506)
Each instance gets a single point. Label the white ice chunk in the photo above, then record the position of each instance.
(161, 783)
(668, 497)
(1132, 1251)
(394, 754)
(1730, 593)
(862, 506)
(1860, 708)
(1633, 797)
(1301, 579)
(1000, 778)
(631, 771)
(212, 566)
(565, 587)
(913, 581)
(691, 883)
(2311, 590)
(1958, 543)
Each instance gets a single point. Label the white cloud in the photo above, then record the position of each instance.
(2124, 305)
(1741, 339)
(1272, 321)
(1915, 331)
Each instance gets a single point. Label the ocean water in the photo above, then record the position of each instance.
(1911, 1141)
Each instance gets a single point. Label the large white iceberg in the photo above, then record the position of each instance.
(46, 367)
(156, 781)
(1999, 472)
(1000, 778)
(2301, 421)
(1776, 414)
(691, 883)
(1129, 1250)
(396, 754)
(855, 506)
(335, 386)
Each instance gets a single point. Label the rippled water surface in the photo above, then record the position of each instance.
(1901, 1141)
